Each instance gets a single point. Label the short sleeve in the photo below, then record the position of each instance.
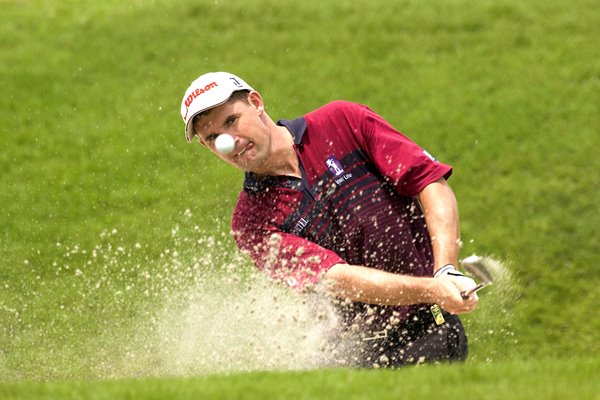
(400, 160)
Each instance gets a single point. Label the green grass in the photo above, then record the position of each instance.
(111, 222)
(513, 380)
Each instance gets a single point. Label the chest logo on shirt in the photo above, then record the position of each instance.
(335, 167)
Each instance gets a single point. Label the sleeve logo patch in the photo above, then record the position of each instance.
(429, 155)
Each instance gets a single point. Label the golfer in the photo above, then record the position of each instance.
(338, 197)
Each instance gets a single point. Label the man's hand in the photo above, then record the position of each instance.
(463, 282)
(452, 284)
(447, 295)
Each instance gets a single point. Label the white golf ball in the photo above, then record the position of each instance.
(224, 143)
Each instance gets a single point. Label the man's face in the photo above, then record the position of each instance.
(244, 121)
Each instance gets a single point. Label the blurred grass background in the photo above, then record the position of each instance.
(94, 157)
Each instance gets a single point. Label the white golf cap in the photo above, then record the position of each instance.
(208, 91)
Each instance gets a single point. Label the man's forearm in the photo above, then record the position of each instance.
(372, 286)
(441, 215)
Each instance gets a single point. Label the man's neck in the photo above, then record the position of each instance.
(284, 160)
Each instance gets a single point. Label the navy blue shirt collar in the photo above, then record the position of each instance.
(297, 127)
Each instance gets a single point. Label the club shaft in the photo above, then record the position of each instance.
(466, 293)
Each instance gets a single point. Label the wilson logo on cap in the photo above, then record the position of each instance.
(190, 99)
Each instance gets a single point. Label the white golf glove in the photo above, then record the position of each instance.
(450, 271)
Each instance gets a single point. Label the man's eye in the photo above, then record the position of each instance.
(231, 120)
(211, 138)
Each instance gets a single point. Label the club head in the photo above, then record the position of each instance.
(478, 267)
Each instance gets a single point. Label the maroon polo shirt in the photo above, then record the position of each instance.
(355, 203)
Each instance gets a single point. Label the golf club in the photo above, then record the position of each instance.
(477, 267)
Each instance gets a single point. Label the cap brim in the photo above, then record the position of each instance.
(189, 128)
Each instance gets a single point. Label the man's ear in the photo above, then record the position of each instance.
(255, 99)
